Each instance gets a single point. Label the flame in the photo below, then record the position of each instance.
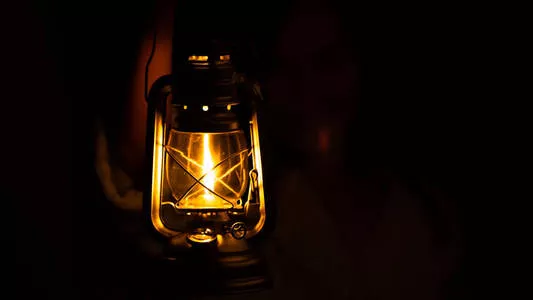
(209, 178)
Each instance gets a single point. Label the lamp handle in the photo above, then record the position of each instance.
(160, 89)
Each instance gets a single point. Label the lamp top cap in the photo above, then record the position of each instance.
(207, 45)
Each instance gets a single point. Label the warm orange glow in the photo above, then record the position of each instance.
(214, 169)
(228, 107)
(198, 58)
(204, 171)
(224, 57)
(185, 107)
(207, 199)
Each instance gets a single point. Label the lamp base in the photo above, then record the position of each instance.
(242, 272)
(225, 266)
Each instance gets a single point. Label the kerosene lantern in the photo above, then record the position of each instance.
(206, 175)
(205, 179)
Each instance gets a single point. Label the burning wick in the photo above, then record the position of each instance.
(209, 179)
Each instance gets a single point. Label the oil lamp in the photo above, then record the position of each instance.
(205, 179)
(206, 175)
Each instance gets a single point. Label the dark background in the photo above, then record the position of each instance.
(63, 56)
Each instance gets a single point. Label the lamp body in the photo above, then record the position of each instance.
(205, 178)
